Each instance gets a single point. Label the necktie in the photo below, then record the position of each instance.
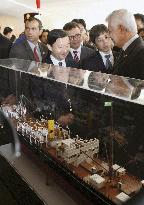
(76, 58)
(60, 63)
(108, 63)
(36, 57)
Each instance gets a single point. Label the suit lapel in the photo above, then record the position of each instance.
(43, 53)
(29, 50)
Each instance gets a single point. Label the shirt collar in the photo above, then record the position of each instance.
(103, 54)
(56, 61)
(32, 45)
(129, 42)
(78, 50)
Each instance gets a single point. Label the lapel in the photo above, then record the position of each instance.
(48, 60)
(101, 60)
(28, 50)
(42, 50)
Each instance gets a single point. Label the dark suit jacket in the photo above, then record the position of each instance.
(95, 63)
(5, 45)
(85, 53)
(132, 63)
(22, 50)
(69, 62)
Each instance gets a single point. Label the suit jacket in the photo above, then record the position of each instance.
(85, 53)
(132, 63)
(95, 63)
(23, 50)
(69, 62)
(5, 45)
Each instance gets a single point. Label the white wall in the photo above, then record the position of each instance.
(55, 13)
(93, 11)
(16, 23)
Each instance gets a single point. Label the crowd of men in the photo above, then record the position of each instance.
(117, 49)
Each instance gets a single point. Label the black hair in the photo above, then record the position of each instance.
(55, 34)
(44, 30)
(30, 19)
(13, 38)
(80, 21)
(139, 16)
(70, 25)
(7, 30)
(96, 30)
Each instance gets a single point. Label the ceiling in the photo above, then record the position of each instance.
(55, 13)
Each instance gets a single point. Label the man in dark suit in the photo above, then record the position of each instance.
(123, 31)
(103, 59)
(5, 45)
(77, 51)
(30, 48)
(59, 46)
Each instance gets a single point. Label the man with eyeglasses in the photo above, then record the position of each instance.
(77, 51)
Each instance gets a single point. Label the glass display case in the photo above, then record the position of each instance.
(87, 125)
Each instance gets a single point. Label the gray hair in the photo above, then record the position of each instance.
(123, 17)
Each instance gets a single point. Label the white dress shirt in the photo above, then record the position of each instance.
(78, 51)
(104, 58)
(38, 49)
(56, 61)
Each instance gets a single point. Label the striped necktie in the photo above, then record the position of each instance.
(76, 58)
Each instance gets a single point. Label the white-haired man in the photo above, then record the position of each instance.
(123, 31)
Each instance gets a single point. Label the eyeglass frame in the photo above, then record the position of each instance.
(76, 36)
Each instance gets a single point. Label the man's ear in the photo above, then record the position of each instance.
(49, 47)
(122, 28)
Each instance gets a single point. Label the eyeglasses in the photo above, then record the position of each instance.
(77, 36)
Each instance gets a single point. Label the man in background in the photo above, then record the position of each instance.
(77, 51)
(5, 45)
(103, 59)
(30, 48)
(8, 32)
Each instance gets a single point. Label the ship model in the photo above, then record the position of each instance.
(79, 156)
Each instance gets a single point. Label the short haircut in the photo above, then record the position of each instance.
(139, 16)
(7, 30)
(45, 30)
(69, 26)
(123, 17)
(96, 31)
(30, 19)
(80, 21)
(55, 34)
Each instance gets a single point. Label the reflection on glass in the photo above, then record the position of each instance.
(119, 86)
(98, 81)
(115, 86)
(76, 76)
(59, 73)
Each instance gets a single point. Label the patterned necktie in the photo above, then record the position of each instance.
(36, 57)
(76, 58)
(60, 63)
(108, 63)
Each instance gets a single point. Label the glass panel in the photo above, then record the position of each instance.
(90, 123)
